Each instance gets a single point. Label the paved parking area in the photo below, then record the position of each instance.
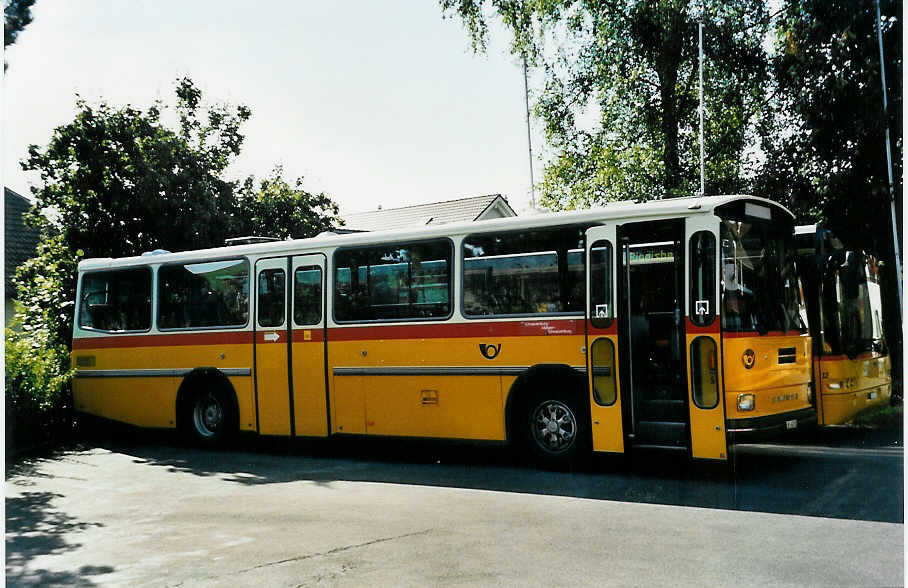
(160, 514)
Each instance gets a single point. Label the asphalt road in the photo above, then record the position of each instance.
(139, 509)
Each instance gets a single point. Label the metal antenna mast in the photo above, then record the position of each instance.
(702, 149)
(526, 98)
(895, 233)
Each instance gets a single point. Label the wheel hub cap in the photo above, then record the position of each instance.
(554, 426)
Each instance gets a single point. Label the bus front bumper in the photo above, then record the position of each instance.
(770, 425)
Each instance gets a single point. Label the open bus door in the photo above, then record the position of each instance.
(653, 363)
(602, 340)
(704, 344)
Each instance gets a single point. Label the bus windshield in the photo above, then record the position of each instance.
(761, 291)
(853, 310)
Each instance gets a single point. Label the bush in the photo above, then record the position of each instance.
(38, 389)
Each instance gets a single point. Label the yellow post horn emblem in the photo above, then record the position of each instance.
(749, 358)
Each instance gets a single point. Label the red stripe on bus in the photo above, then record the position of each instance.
(610, 330)
(527, 328)
(221, 338)
(710, 329)
(316, 334)
(536, 327)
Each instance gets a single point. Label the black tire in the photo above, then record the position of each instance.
(552, 430)
(209, 417)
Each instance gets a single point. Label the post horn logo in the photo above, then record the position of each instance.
(749, 358)
(489, 351)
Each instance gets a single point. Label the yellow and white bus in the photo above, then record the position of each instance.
(673, 324)
(845, 311)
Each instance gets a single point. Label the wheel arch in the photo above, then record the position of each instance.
(570, 381)
(193, 383)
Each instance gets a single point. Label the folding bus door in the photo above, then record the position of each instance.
(307, 354)
(602, 340)
(707, 400)
(274, 402)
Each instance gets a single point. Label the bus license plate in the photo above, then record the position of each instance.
(792, 424)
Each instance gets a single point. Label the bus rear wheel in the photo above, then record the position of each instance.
(210, 418)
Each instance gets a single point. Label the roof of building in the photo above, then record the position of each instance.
(20, 240)
(432, 213)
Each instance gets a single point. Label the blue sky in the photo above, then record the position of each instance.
(373, 102)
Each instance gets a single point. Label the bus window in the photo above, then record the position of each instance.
(307, 296)
(704, 372)
(601, 307)
(396, 281)
(605, 390)
(271, 298)
(702, 278)
(116, 300)
(211, 294)
(760, 290)
(525, 273)
(852, 304)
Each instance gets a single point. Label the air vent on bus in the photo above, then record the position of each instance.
(155, 252)
(788, 355)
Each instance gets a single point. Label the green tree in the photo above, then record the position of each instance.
(825, 144)
(619, 102)
(274, 208)
(118, 181)
(17, 14)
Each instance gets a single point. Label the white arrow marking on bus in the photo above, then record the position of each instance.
(272, 336)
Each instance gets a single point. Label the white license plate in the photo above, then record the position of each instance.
(872, 395)
(792, 424)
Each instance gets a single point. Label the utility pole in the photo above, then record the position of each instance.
(702, 148)
(895, 231)
(526, 98)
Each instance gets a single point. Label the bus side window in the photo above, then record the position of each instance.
(118, 300)
(307, 296)
(394, 281)
(271, 298)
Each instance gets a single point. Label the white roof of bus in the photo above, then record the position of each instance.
(613, 211)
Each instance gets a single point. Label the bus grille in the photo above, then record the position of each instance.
(788, 355)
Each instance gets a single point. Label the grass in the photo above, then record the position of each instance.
(883, 417)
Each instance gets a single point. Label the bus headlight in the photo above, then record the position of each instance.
(745, 402)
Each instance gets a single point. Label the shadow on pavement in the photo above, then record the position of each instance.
(35, 528)
(838, 473)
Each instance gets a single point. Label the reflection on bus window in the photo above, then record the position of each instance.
(760, 287)
(393, 282)
(307, 296)
(271, 298)
(703, 278)
(214, 294)
(601, 307)
(533, 272)
(116, 300)
(852, 305)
